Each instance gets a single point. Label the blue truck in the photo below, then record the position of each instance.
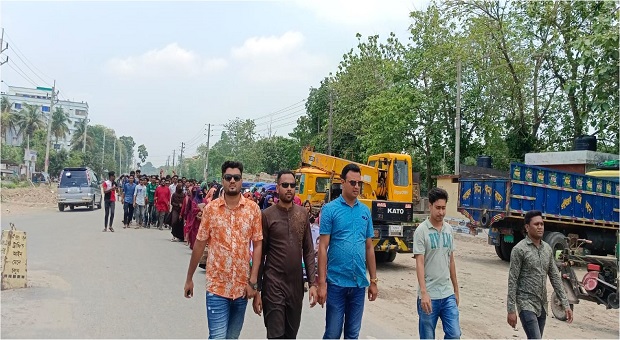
(573, 206)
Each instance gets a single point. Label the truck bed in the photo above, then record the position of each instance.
(561, 196)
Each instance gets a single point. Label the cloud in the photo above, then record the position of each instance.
(171, 60)
(362, 12)
(278, 58)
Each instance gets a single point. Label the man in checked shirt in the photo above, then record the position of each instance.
(530, 262)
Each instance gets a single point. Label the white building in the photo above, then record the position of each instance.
(41, 96)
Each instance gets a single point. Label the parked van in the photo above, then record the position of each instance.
(79, 187)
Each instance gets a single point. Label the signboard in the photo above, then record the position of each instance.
(30, 155)
(14, 260)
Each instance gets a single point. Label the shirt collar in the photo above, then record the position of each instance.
(343, 201)
(221, 202)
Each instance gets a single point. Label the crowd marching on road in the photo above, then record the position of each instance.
(269, 247)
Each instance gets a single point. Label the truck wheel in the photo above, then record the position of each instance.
(391, 256)
(556, 240)
(61, 207)
(498, 251)
(505, 248)
(556, 307)
(91, 207)
(381, 256)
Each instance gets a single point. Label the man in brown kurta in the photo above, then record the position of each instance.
(286, 238)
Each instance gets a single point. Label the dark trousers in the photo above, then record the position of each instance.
(128, 213)
(151, 214)
(533, 325)
(109, 212)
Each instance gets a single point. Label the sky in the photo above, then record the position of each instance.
(162, 71)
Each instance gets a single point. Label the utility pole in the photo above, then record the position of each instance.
(173, 158)
(120, 164)
(103, 151)
(457, 122)
(2, 49)
(114, 152)
(329, 132)
(49, 126)
(206, 172)
(86, 120)
(168, 164)
(181, 158)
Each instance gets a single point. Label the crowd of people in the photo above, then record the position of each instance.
(265, 246)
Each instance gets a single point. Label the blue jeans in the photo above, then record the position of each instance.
(448, 311)
(533, 325)
(344, 306)
(225, 316)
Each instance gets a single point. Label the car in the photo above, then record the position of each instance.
(79, 186)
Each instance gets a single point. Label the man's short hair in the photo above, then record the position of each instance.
(132, 173)
(349, 168)
(284, 172)
(111, 173)
(232, 165)
(531, 214)
(436, 194)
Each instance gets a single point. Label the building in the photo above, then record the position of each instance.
(41, 96)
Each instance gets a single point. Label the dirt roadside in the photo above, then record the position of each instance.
(27, 200)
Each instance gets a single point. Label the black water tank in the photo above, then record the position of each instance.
(585, 143)
(484, 162)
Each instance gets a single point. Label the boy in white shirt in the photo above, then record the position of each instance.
(139, 201)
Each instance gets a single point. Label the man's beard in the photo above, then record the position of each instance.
(232, 193)
(285, 200)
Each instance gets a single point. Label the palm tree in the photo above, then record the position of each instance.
(60, 126)
(29, 119)
(77, 140)
(9, 117)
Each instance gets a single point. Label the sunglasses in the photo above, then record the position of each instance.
(227, 178)
(356, 183)
(287, 185)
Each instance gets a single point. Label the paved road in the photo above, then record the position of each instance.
(127, 284)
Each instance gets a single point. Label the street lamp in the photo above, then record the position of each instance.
(86, 121)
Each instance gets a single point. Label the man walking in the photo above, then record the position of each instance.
(109, 199)
(438, 293)
(139, 200)
(162, 203)
(129, 189)
(346, 229)
(228, 225)
(150, 194)
(531, 261)
(286, 234)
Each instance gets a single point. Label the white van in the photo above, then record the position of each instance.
(79, 187)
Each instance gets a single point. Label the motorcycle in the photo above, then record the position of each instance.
(599, 284)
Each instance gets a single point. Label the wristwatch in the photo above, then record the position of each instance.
(253, 285)
(375, 280)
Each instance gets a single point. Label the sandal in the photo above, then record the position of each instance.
(111, 229)
(174, 240)
(105, 229)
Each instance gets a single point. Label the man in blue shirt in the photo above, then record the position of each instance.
(346, 229)
(128, 191)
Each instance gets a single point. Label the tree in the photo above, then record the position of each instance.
(9, 117)
(142, 153)
(29, 120)
(77, 139)
(128, 152)
(60, 124)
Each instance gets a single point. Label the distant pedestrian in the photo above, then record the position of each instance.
(150, 194)
(346, 230)
(228, 225)
(531, 261)
(109, 200)
(128, 192)
(139, 201)
(162, 203)
(438, 293)
(176, 224)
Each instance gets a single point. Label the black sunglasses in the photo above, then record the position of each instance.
(286, 185)
(227, 178)
(356, 183)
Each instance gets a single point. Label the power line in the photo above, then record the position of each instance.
(33, 72)
(20, 73)
(18, 50)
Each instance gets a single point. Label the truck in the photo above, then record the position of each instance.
(574, 206)
(388, 191)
